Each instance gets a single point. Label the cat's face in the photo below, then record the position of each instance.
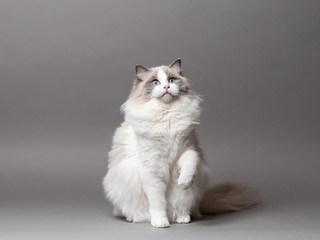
(164, 83)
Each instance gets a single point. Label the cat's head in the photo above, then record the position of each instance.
(165, 83)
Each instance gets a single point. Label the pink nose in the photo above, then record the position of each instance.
(166, 87)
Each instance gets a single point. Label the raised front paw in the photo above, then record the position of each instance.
(185, 183)
(160, 222)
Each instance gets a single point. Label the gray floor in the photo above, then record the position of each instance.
(95, 221)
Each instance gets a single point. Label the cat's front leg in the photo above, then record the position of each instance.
(155, 189)
(188, 163)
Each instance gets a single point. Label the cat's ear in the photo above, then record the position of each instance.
(140, 69)
(176, 65)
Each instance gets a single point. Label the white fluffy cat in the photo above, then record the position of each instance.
(156, 169)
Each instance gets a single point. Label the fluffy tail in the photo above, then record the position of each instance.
(228, 197)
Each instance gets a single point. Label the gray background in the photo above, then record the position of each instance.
(67, 66)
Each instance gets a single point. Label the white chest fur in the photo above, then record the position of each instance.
(162, 130)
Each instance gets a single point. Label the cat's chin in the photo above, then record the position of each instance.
(167, 98)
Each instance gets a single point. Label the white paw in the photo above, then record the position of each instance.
(160, 222)
(185, 183)
(183, 219)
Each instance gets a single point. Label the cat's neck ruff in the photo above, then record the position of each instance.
(156, 117)
(156, 110)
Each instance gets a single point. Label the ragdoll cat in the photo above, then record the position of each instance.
(156, 169)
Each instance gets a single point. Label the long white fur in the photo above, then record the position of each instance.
(160, 176)
(156, 172)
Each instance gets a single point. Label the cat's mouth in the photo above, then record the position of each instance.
(166, 93)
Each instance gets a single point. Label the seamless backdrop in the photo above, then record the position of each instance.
(67, 66)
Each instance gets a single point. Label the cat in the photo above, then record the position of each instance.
(156, 171)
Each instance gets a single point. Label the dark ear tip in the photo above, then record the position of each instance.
(176, 62)
(140, 68)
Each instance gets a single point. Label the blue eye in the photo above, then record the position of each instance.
(172, 80)
(155, 82)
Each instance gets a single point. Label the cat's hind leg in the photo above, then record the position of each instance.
(184, 194)
(181, 204)
(123, 188)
